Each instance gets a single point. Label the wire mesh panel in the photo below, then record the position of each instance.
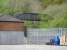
(65, 31)
(41, 36)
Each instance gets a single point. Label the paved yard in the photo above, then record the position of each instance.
(32, 47)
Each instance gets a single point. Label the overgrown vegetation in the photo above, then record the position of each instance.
(53, 13)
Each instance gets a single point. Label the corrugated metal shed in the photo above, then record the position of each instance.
(28, 16)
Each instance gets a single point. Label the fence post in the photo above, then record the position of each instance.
(25, 31)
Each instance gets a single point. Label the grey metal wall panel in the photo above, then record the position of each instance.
(11, 37)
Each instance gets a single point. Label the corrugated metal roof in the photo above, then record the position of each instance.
(8, 18)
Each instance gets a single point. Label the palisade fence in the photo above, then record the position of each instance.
(34, 36)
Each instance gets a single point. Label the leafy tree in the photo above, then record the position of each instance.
(45, 3)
